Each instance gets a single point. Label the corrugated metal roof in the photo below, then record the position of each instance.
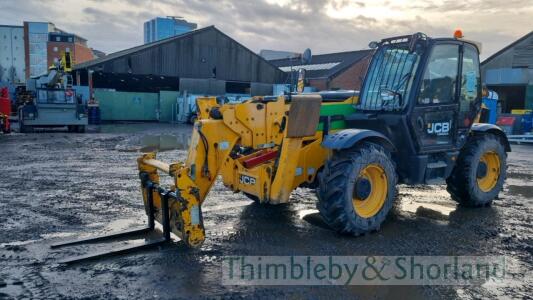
(203, 53)
(507, 47)
(323, 65)
(130, 51)
(136, 49)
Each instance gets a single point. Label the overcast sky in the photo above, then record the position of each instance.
(322, 25)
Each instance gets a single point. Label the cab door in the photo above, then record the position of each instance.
(435, 113)
(469, 92)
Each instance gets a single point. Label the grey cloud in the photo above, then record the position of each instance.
(257, 24)
(473, 6)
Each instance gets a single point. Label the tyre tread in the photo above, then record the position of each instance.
(332, 204)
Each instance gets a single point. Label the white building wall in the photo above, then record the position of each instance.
(12, 63)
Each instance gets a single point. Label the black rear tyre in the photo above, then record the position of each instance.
(357, 189)
(479, 173)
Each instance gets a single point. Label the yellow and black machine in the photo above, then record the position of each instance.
(411, 123)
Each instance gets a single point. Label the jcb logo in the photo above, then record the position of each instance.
(245, 179)
(439, 128)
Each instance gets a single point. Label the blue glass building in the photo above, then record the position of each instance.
(162, 28)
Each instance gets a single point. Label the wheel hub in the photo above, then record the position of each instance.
(488, 171)
(363, 188)
(370, 191)
(481, 169)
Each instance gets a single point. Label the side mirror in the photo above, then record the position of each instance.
(389, 97)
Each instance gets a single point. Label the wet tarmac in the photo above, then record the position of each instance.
(57, 186)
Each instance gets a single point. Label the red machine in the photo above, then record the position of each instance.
(5, 110)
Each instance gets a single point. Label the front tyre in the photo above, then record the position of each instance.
(479, 173)
(357, 189)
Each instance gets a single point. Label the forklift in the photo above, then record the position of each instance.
(411, 123)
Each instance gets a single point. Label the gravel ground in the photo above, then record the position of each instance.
(57, 186)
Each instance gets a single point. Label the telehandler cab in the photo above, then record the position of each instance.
(413, 122)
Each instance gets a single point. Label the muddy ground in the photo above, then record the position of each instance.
(55, 186)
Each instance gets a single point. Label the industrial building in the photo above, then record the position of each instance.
(509, 72)
(333, 71)
(12, 64)
(142, 83)
(161, 28)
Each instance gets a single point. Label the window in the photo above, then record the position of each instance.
(470, 84)
(391, 70)
(58, 39)
(440, 77)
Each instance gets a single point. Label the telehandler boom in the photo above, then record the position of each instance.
(412, 123)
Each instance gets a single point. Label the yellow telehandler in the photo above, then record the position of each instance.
(412, 123)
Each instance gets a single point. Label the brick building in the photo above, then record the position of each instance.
(60, 42)
(333, 71)
(44, 43)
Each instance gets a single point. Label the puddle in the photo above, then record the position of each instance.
(44, 237)
(156, 143)
(228, 207)
(518, 175)
(18, 243)
(305, 212)
(12, 288)
(312, 216)
(526, 191)
(150, 143)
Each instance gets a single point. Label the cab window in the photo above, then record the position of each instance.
(470, 84)
(440, 76)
